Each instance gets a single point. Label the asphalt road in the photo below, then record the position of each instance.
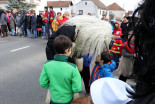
(21, 62)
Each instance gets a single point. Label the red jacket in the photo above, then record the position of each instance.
(117, 47)
(46, 17)
(52, 16)
(130, 49)
(115, 30)
(63, 20)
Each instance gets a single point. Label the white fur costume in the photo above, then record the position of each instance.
(90, 33)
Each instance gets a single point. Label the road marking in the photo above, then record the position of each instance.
(19, 48)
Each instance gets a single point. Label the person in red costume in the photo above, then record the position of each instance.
(116, 49)
(51, 17)
(117, 28)
(46, 21)
(65, 18)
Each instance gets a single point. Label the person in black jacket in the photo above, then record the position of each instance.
(3, 23)
(23, 20)
(144, 65)
(28, 24)
(39, 23)
(34, 24)
(125, 26)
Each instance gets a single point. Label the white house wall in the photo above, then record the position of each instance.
(118, 14)
(3, 5)
(100, 13)
(89, 8)
(40, 5)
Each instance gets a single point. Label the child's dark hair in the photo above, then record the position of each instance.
(106, 56)
(61, 43)
(144, 65)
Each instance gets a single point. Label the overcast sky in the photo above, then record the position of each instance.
(126, 4)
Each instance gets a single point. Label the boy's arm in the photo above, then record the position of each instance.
(112, 65)
(92, 74)
(106, 72)
(126, 54)
(44, 80)
(76, 81)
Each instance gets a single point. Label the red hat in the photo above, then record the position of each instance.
(7, 11)
(118, 33)
(117, 23)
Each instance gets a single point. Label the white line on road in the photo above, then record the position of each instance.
(19, 49)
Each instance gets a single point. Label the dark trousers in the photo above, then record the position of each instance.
(4, 30)
(121, 77)
(50, 53)
(116, 58)
(8, 26)
(47, 29)
(85, 74)
(52, 30)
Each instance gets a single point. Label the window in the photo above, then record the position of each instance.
(80, 12)
(102, 12)
(85, 3)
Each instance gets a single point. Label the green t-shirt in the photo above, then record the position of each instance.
(62, 78)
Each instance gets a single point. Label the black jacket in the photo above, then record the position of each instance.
(125, 29)
(39, 21)
(68, 31)
(150, 99)
(28, 22)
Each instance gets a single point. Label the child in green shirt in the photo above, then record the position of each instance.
(60, 76)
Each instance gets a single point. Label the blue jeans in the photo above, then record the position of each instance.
(47, 29)
(24, 32)
(29, 33)
(12, 32)
(34, 34)
(44, 31)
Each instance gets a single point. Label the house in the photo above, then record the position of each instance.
(3, 4)
(118, 11)
(95, 7)
(60, 6)
(129, 13)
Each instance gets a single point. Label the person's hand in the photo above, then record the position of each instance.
(134, 55)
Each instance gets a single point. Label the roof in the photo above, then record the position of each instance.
(115, 6)
(99, 4)
(3, 1)
(59, 3)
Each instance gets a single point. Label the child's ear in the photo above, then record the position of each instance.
(67, 50)
(102, 61)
